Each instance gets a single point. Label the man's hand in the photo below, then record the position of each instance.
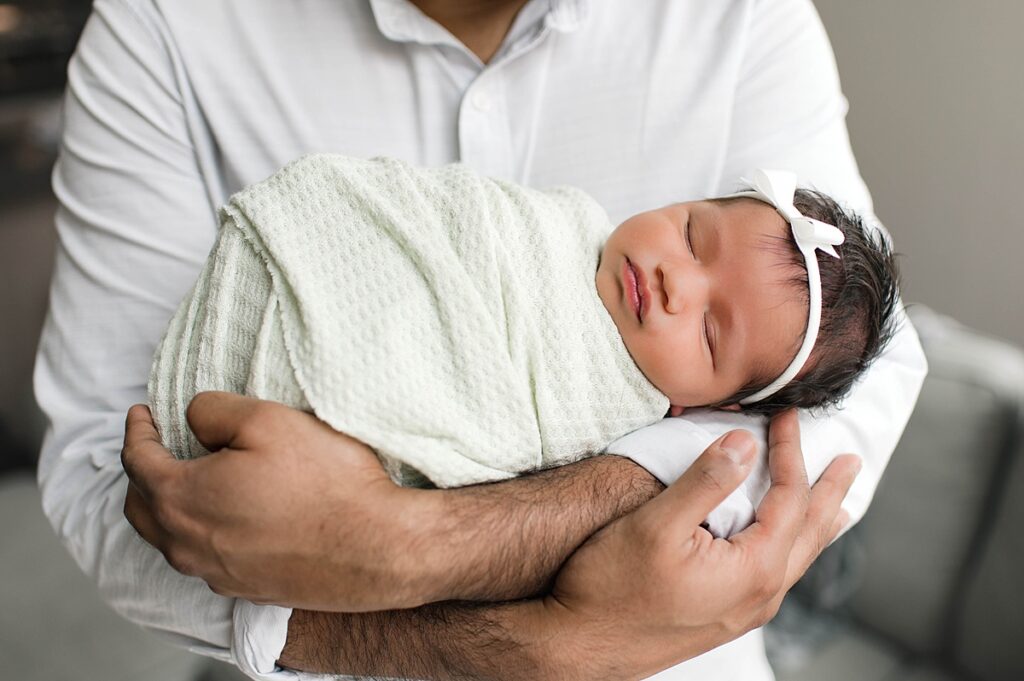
(288, 511)
(253, 519)
(659, 575)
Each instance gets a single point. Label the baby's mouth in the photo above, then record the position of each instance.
(634, 290)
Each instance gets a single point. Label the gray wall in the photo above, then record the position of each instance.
(937, 123)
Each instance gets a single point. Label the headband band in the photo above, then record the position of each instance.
(776, 188)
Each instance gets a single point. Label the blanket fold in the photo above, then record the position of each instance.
(449, 321)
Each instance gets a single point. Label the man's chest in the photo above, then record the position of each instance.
(634, 115)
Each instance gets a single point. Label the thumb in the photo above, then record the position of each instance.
(143, 456)
(216, 417)
(713, 476)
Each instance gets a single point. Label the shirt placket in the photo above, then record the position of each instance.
(485, 114)
(484, 117)
(485, 142)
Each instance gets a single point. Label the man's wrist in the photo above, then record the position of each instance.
(419, 552)
(505, 541)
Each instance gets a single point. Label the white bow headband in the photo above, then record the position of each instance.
(776, 188)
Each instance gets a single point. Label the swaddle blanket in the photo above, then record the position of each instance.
(449, 321)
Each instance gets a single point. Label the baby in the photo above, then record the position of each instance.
(455, 324)
(724, 288)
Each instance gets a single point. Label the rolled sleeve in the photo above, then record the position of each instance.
(260, 632)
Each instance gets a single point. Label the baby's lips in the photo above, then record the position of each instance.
(631, 285)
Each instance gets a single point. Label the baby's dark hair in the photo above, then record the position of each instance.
(859, 298)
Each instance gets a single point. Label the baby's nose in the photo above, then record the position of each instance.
(681, 286)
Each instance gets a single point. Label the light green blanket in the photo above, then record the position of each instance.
(449, 321)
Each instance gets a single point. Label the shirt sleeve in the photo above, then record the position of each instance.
(135, 222)
(789, 112)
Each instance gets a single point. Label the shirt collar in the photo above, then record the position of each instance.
(567, 15)
(401, 21)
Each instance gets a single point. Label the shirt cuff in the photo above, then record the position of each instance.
(259, 635)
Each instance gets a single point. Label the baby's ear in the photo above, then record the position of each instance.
(676, 410)
(731, 407)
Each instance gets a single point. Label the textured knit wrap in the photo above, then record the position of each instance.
(449, 321)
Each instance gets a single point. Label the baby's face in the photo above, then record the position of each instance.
(701, 294)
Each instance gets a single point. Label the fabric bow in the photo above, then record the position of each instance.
(778, 187)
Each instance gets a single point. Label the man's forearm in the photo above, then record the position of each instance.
(493, 542)
(443, 641)
(506, 540)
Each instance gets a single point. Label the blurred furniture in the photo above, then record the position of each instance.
(930, 585)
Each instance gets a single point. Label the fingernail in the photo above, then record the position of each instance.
(739, 447)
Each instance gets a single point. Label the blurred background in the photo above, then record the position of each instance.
(926, 588)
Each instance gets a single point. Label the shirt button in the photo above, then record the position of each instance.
(482, 102)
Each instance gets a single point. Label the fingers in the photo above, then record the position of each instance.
(712, 477)
(215, 417)
(825, 518)
(144, 458)
(785, 458)
(841, 522)
(139, 429)
(781, 513)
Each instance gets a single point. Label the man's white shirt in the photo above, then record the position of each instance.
(173, 105)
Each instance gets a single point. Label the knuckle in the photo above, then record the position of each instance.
(709, 478)
(180, 560)
(165, 514)
(128, 461)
